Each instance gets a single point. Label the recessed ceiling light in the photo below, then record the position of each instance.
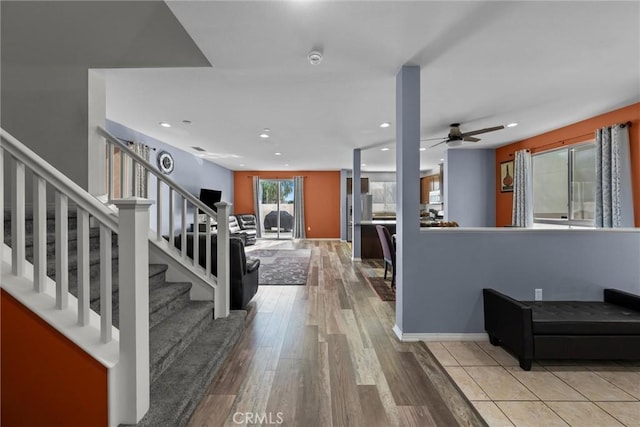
(385, 125)
(314, 57)
(512, 125)
(264, 135)
(187, 122)
(442, 160)
(277, 154)
(364, 164)
(384, 149)
(241, 164)
(165, 125)
(266, 130)
(423, 149)
(286, 164)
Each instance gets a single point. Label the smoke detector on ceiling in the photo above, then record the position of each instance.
(314, 57)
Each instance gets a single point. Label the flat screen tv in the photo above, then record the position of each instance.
(210, 197)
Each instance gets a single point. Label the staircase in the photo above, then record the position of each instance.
(186, 344)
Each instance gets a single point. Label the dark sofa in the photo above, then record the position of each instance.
(244, 270)
(564, 329)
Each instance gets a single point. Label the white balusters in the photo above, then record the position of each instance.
(83, 267)
(208, 247)
(105, 284)
(158, 210)
(183, 243)
(122, 174)
(196, 240)
(222, 294)
(17, 218)
(39, 233)
(62, 251)
(109, 172)
(172, 232)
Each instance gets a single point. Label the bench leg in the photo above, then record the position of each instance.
(493, 340)
(525, 364)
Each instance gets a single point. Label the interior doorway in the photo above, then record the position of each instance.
(277, 208)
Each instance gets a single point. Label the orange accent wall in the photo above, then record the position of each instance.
(573, 134)
(46, 379)
(321, 198)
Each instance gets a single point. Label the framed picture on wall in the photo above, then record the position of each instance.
(506, 176)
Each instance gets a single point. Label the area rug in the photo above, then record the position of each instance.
(283, 266)
(374, 276)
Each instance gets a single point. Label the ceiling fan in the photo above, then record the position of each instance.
(456, 136)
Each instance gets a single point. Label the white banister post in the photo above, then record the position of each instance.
(17, 218)
(222, 294)
(133, 260)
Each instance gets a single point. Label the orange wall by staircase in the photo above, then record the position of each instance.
(573, 134)
(46, 379)
(321, 198)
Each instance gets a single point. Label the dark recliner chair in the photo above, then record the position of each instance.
(247, 223)
(244, 271)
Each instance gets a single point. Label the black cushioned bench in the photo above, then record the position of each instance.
(564, 329)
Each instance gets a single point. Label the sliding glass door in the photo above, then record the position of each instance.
(276, 208)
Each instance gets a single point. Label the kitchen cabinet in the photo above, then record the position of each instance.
(428, 184)
(364, 185)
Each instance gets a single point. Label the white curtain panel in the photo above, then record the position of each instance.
(298, 208)
(614, 201)
(257, 195)
(523, 190)
(140, 176)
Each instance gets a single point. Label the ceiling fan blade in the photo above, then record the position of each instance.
(479, 131)
(434, 139)
(470, 139)
(441, 142)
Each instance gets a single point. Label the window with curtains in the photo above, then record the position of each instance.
(564, 185)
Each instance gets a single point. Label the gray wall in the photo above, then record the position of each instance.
(191, 172)
(566, 264)
(469, 187)
(47, 48)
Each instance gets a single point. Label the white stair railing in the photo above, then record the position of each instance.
(122, 171)
(129, 367)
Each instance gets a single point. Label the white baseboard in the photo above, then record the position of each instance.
(411, 337)
(356, 259)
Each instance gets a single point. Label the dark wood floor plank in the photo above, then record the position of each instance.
(212, 411)
(345, 402)
(285, 391)
(372, 409)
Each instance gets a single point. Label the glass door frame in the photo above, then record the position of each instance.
(282, 232)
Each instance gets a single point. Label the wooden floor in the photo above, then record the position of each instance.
(325, 354)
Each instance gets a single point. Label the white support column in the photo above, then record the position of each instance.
(106, 285)
(222, 294)
(356, 207)
(17, 218)
(62, 251)
(159, 210)
(39, 233)
(133, 259)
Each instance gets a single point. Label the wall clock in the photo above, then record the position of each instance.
(165, 162)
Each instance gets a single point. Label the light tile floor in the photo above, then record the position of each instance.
(553, 393)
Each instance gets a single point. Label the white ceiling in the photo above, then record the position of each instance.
(541, 64)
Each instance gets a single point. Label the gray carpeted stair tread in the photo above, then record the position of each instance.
(176, 332)
(164, 299)
(94, 232)
(177, 392)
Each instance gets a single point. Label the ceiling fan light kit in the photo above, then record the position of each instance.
(456, 136)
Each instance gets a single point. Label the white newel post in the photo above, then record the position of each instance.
(222, 293)
(133, 263)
